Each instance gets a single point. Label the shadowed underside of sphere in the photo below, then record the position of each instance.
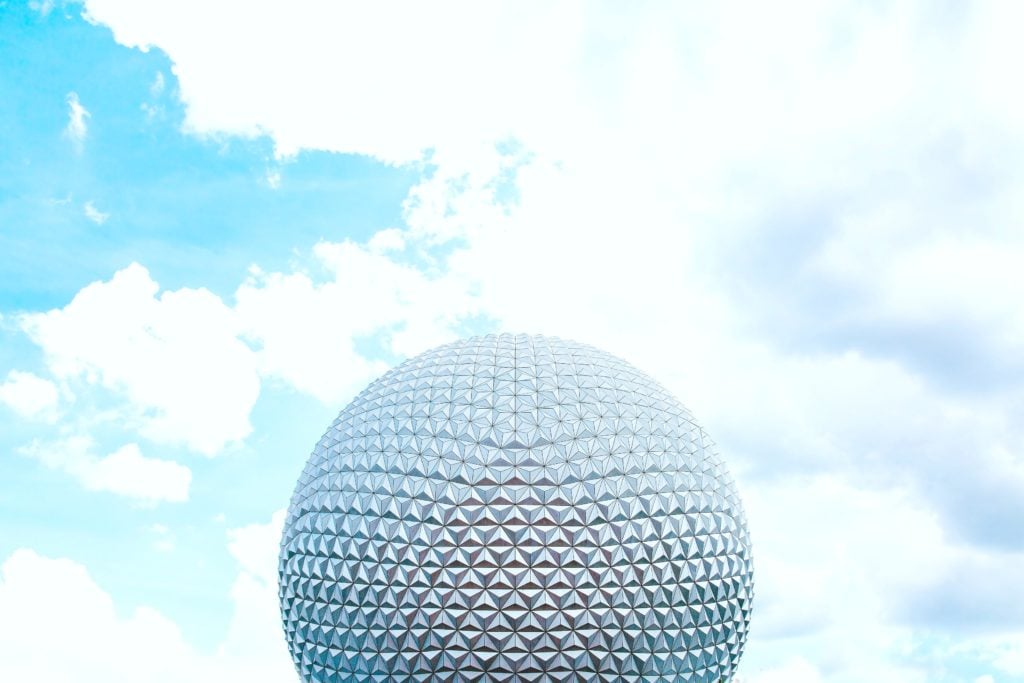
(515, 508)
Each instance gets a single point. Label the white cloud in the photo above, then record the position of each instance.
(77, 128)
(44, 7)
(389, 239)
(1009, 655)
(273, 179)
(95, 215)
(174, 357)
(255, 547)
(306, 331)
(830, 558)
(845, 575)
(125, 472)
(29, 395)
(664, 158)
(697, 98)
(93, 641)
(156, 88)
(152, 109)
(344, 35)
(668, 134)
(254, 640)
(98, 643)
(181, 362)
(1004, 653)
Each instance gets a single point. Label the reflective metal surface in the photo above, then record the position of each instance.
(515, 508)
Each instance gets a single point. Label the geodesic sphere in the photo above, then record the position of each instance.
(515, 508)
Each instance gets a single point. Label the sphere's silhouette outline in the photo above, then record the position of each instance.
(515, 508)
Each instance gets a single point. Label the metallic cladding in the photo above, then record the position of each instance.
(510, 508)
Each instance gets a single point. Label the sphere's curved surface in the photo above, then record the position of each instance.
(515, 508)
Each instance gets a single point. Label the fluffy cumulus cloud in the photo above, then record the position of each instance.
(29, 395)
(801, 216)
(185, 366)
(125, 472)
(91, 641)
(104, 645)
(173, 356)
(669, 150)
(480, 82)
(93, 214)
(305, 329)
(77, 128)
(254, 646)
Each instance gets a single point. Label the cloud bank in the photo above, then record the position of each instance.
(106, 645)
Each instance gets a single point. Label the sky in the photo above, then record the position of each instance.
(219, 221)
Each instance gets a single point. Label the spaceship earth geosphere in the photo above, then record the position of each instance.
(515, 507)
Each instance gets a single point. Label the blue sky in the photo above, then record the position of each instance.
(197, 213)
(216, 226)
